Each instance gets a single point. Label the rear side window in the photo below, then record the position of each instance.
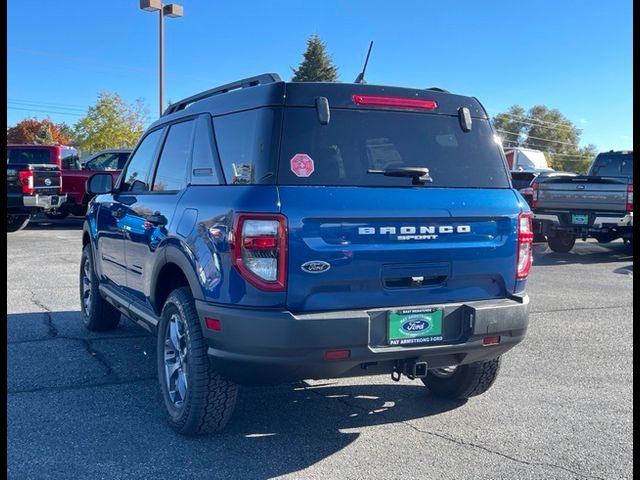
(247, 144)
(618, 165)
(29, 155)
(171, 174)
(70, 159)
(136, 176)
(106, 161)
(355, 141)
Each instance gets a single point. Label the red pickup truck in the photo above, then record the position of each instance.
(74, 180)
(75, 173)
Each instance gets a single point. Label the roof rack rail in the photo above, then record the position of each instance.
(263, 79)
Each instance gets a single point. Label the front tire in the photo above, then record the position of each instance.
(98, 315)
(463, 381)
(561, 242)
(16, 223)
(198, 400)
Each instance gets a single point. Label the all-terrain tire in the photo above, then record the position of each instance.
(466, 381)
(16, 223)
(210, 398)
(98, 315)
(561, 242)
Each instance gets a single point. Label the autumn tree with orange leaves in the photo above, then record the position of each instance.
(37, 131)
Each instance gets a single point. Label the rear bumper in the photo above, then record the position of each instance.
(45, 202)
(270, 347)
(600, 221)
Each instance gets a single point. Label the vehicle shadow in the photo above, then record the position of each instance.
(290, 428)
(274, 430)
(44, 223)
(582, 253)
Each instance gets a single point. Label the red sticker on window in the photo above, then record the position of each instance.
(302, 165)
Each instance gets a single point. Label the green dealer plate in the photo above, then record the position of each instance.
(579, 219)
(413, 326)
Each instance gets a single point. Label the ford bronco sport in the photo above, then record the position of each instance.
(271, 232)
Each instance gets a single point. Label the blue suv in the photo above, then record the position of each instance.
(270, 232)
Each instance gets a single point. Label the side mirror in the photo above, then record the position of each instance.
(99, 183)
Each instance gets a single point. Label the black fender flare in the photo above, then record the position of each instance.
(175, 255)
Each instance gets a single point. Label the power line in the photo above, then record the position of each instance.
(537, 138)
(45, 111)
(39, 105)
(534, 120)
(39, 102)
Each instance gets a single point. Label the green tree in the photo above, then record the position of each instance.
(110, 123)
(44, 136)
(548, 130)
(316, 65)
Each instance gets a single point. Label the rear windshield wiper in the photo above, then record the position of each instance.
(419, 175)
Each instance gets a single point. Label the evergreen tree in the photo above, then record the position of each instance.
(317, 65)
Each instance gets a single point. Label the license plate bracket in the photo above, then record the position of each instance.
(415, 326)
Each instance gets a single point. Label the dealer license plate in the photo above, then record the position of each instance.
(414, 326)
(577, 219)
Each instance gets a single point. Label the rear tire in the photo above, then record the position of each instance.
(198, 400)
(561, 242)
(16, 223)
(98, 315)
(463, 382)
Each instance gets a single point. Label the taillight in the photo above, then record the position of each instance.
(534, 195)
(629, 198)
(25, 177)
(259, 248)
(394, 102)
(525, 245)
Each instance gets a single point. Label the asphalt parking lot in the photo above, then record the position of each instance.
(86, 405)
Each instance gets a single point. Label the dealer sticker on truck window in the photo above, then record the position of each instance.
(415, 326)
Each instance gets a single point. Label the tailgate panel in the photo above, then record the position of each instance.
(399, 246)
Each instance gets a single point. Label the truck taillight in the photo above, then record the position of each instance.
(259, 249)
(525, 245)
(534, 195)
(25, 177)
(629, 198)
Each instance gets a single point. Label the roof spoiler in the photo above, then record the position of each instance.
(263, 79)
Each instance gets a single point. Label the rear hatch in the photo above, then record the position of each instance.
(366, 240)
(582, 194)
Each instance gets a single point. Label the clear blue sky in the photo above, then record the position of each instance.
(573, 56)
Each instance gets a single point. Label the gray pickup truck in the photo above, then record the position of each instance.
(598, 205)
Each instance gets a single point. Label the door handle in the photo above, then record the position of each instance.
(156, 219)
(118, 213)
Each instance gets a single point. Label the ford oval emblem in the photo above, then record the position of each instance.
(315, 266)
(580, 187)
(47, 181)
(415, 325)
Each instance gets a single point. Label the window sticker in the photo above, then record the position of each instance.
(302, 165)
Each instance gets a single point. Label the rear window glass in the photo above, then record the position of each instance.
(29, 155)
(70, 159)
(620, 165)
(247, 144)
(358, 140)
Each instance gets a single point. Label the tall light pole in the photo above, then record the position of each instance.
(171, 10)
